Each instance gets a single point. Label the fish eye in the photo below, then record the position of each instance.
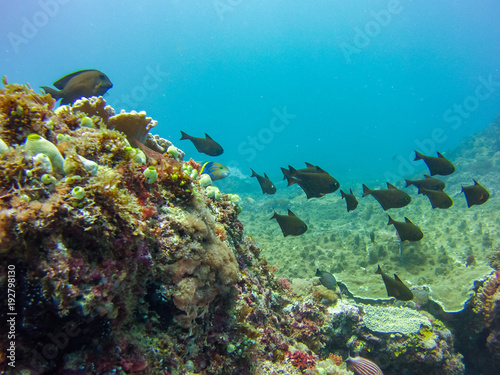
(102, 76)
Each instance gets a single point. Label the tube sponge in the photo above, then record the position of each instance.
(35, 145)
(3, 147)
(151, 174)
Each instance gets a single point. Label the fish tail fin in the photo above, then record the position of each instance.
(54, 93)
(420, 191)
(253, 173)
(418, 156)
(318, 272)
(366, 190)
(342, 194)
(391, 221)
(184, 136)
(379, 270)
(408, 182)
(286, 173)
(275, 215)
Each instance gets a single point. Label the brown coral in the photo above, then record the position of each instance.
(135, 125)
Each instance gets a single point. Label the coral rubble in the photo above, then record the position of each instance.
(125, 263)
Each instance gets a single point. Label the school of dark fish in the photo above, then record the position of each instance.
(315, 182)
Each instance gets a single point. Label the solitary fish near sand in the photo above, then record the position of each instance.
(350, 199)
(475, 194)
(290, 224)
(266, 184)
(395, 287)
(407, 231)
(80, 84)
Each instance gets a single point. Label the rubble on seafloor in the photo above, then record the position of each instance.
(123, 264)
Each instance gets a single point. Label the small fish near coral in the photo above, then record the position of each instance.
(313, 180)
(266, 184)
(391, 197)
(438, 198)
(80, 84)
(216, 171)
(428, 182)
(204, 145)
(475, 194)
(350, 199)
(363, 366)
(395, 287)
(327, 279)
(290, 224)
(407, 231)
(437, 165)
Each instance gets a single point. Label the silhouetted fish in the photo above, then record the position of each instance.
(327, 279)
(363, 366)
(313, 180)
(216, 171)
(437, 165)
(265, 183)
(475, 194)
(290, 224)
(350, 199)
(84, 83)
(204, 145)
(438, 198)
(407, 231)
(428, 182)
(395, 287)
(391, 197)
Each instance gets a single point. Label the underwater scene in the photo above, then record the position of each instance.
(250, 187)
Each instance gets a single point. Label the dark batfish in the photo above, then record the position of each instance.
(475, 194)
(84, 83)
(363, 366)
(290, 224)
(407, 231)
(265, 183)
(204, 145)
(395, 287)
(314, 181)
(350, 199)
(327, 279)
(216, 171)
(437, 165)
(428, 182)
(438, 198)
(391, 197)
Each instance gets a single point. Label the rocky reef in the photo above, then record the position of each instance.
(124, 261)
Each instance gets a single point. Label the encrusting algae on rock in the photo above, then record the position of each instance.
(143, 272)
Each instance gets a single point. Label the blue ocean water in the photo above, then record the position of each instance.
(353, 87)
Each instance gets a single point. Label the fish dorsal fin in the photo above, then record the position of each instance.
(60, 83)
(475, 182)
(397, 278)
(408, 220)
(440, 155)
(351, 192)
(309, 165)
(320, 170)
(291, 169)
(265, 176)
(427, 176)
(290, 213)
(208, 137)
(391, 186)
(379, 270)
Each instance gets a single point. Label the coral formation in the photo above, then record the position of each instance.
(130, 264)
